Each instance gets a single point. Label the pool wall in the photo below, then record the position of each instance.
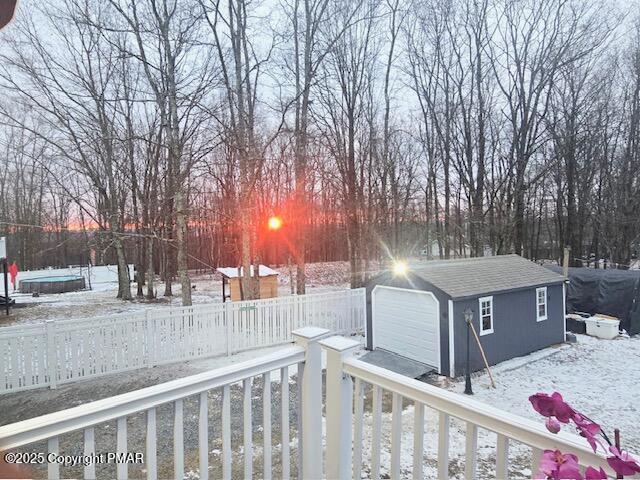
(52, 285)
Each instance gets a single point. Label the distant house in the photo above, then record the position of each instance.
(431, 250)
(517, 308)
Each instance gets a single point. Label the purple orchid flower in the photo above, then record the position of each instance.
(622, 462)
(552, 406)
(558, 411)
(557, 465)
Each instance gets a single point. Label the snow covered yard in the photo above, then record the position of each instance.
(101, 300)
(597, 377)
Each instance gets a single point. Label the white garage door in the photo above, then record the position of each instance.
(405, 322)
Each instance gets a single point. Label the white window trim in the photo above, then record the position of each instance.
(480, 300)
(546, 304)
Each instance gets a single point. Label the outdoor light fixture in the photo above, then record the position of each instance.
(400, 268)
(274, 223)
(468, 318)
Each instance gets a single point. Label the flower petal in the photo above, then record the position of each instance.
(592, 474)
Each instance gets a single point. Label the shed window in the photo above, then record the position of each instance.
(541, 303)
(486, 315)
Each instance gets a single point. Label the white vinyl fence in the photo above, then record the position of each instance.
(55, 352)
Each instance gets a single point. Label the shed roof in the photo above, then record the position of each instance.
(232, 272)
(469, 277)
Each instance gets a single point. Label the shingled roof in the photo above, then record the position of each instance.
(469, 277)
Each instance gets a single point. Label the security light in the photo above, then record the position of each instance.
(400, 268)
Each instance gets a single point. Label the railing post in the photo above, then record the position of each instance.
(308, 338)
(339, 402)
(228, 318)
(52, 362)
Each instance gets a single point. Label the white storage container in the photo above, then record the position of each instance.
(606, 328)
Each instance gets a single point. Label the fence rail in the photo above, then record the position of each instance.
(56, 352)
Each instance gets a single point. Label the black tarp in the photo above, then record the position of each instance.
(606, 291)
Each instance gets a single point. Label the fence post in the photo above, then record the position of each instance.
(362, 320)
(150, 340)
(228, 318)
(308, 338)
(339, 404)
(297, 323)
(52, 361)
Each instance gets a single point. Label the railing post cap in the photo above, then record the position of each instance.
(309, 334)
(340, 344)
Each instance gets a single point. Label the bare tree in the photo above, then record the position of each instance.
(70, 89)
(537, 39)
(165, 38)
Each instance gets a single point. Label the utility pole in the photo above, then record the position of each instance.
(6, 285)
(3, 257)
(565, 262)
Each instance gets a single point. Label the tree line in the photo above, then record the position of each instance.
(165, 132)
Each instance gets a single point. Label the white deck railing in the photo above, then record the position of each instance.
(87, 418)
(344, 412)
(55, 352)
(346, 378)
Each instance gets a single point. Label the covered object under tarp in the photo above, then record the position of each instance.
(610, 292)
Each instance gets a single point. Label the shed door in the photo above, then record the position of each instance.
(405, 322)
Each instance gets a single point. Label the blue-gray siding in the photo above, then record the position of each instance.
(516, 332)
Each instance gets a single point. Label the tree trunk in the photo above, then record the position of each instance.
(124, 289)
(181, 238)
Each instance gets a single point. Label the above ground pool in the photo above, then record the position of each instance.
(55, 284)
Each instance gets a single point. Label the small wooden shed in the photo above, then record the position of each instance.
(267, 278)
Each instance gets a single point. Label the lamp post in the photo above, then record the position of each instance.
(468, 318)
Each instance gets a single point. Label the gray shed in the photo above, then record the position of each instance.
(517, 305)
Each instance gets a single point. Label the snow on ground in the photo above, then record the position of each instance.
(585, 373)
(597, 377)
(19, 406)
(101, 300)
(325, 273)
